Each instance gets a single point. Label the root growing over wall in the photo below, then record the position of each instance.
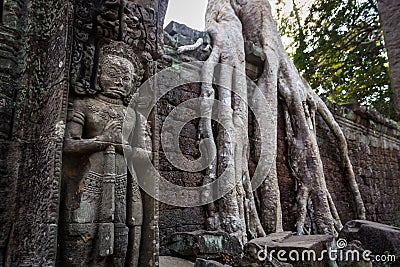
(230, 23)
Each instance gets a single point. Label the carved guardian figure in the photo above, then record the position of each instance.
(101, 206)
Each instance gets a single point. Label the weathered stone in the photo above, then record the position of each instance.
(101, 204)
(254, 54)
(204, 244)
(279, 249)
(35, 71)
(255, 58)
(208, 263)
(32, 110)
(379, 238)
(177, 35)
(353, 248)
(168, 261)
(174, 28)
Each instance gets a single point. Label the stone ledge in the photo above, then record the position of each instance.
(204, 244)
(286, 243)
(167, 261)
(379, 238)
(365, 116)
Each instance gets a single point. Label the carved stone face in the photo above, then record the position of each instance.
(116, 76)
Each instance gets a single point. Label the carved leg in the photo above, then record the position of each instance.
(77, 245)
(76, 252)
(135, 233)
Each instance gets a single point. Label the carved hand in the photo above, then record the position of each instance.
(112, 132)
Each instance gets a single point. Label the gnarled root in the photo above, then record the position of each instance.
(235, 212)
(301, 103)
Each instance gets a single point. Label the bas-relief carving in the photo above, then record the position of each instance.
(101, 208)
(120, 20)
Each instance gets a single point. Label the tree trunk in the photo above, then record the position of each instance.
(230, 23)
(302, 103)
(389, 12)
(236, 211)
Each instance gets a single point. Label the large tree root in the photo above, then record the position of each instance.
(236, 212)
(301, 104)
(305, 160)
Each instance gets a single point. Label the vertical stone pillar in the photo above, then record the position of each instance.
(36, 129)
(10, 69)
(51, 58)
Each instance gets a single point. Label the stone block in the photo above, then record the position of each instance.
(254, 54)
(208, 263)
(378, 238)
(168, 261)
(204, 244)
(174, 28)
(179, 35)
(279, 249)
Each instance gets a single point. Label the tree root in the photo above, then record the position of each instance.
(236, 212)
(301, 103)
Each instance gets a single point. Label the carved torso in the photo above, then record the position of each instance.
(101, 202)
(91, 118)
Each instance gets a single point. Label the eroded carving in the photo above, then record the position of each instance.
(96, 23)
(101, 208)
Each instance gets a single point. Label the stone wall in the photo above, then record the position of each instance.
(176, 219)
(374, 147)
(35, 53)
(374, 144)
(37, 133)
(10, 72)
(374, 150)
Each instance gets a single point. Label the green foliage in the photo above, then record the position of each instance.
(339, 49)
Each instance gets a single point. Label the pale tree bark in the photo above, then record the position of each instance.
(235, 212)
(230, 23)
(301, 104)
(389, 12)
